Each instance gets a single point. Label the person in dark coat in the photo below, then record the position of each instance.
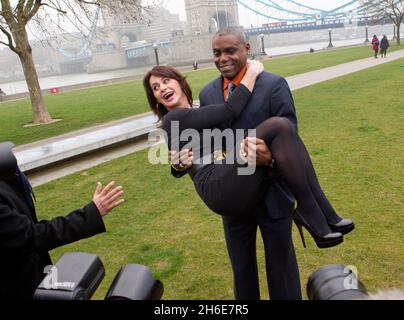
(25, 241)
(375, 45)
(384, 44)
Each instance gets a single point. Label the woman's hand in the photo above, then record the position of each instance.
(255, 67)
(181, 161)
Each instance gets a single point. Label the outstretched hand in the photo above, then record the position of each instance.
(104, 197)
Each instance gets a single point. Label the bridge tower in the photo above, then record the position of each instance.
(120, 26)
(208, 16)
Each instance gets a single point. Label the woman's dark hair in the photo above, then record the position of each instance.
(164, 72)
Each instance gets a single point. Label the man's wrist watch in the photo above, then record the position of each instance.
(178, 170)
(271, 163)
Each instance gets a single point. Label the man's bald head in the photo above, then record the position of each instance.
(231, 31)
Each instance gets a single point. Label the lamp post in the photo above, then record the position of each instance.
(262, 43)
(367, 35)
(329, 38)
(155, 47)
(394, 33)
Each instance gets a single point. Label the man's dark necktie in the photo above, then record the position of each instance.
(230, 89)
(26, 186)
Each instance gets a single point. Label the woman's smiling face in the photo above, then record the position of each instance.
(168, 92)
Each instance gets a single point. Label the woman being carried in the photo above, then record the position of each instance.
(218, 183)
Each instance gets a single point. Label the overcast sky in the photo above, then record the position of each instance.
(247, 18)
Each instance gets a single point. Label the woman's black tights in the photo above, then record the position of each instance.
(295, 167)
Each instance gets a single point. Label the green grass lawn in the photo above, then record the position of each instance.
(353, 128)
(89, 107)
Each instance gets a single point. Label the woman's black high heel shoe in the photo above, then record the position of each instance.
(344, 226)
(329, 240)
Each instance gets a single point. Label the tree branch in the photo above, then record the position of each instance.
(34, 10)
(395, 10)
(379, 9)
(89, 2)
(20, 9)
(9, 38)
(12, 48)
(55, 8)
(7, 14)
(28, 7)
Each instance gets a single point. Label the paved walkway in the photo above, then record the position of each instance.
(53, 150)
(313, 77)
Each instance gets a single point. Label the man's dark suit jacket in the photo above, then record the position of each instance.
(24, 242)
(271, 97)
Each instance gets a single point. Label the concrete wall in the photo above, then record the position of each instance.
(107, 61)
(187, 49)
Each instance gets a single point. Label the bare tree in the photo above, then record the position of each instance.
(381, 9)
(47, 15)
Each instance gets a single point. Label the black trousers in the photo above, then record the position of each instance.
(244, 212)
(281, 266)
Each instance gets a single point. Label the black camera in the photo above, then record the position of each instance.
(335, 282)
(77, 275)
(8, 162)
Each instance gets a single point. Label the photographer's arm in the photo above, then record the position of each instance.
(19, 233)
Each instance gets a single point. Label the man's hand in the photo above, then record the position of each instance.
(104, 197)
(255, 152)
(182, 160)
